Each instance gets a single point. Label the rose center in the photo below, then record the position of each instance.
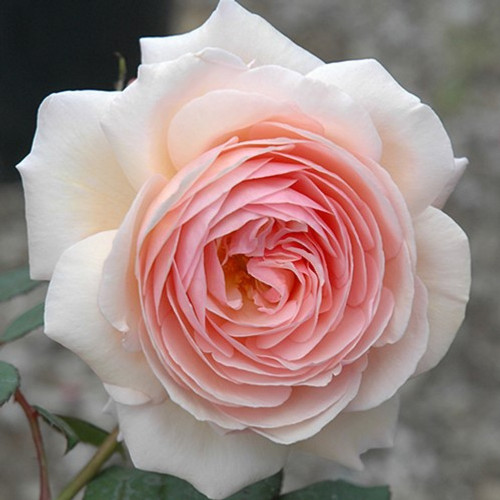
(237, 276)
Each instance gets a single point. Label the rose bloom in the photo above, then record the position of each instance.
(246, 245)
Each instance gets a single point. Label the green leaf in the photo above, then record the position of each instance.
(120, 483)
(87, 433)
(267, 489)
(27, 322)
(339, 490)
(9, 381)
(15, 282)
(61, 426)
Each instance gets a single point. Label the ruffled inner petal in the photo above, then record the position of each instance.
(268, 277)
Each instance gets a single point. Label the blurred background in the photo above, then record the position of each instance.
(447, 52)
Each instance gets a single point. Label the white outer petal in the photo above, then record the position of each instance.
(352, 433)
(236, 30)
(164, 438)
(444, 267)
(72, 182)
(460, 165)
(415, 147)
(268, 93)
(138, 121)
(73, 318)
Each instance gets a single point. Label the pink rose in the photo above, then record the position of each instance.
(246, 245)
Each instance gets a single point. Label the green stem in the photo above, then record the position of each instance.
(32, 416)
(102, 454)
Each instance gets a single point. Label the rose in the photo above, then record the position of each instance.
(246, 246)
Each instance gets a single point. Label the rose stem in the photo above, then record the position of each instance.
(92, 467)
(32, 416)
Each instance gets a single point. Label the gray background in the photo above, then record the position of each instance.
(448, 443)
